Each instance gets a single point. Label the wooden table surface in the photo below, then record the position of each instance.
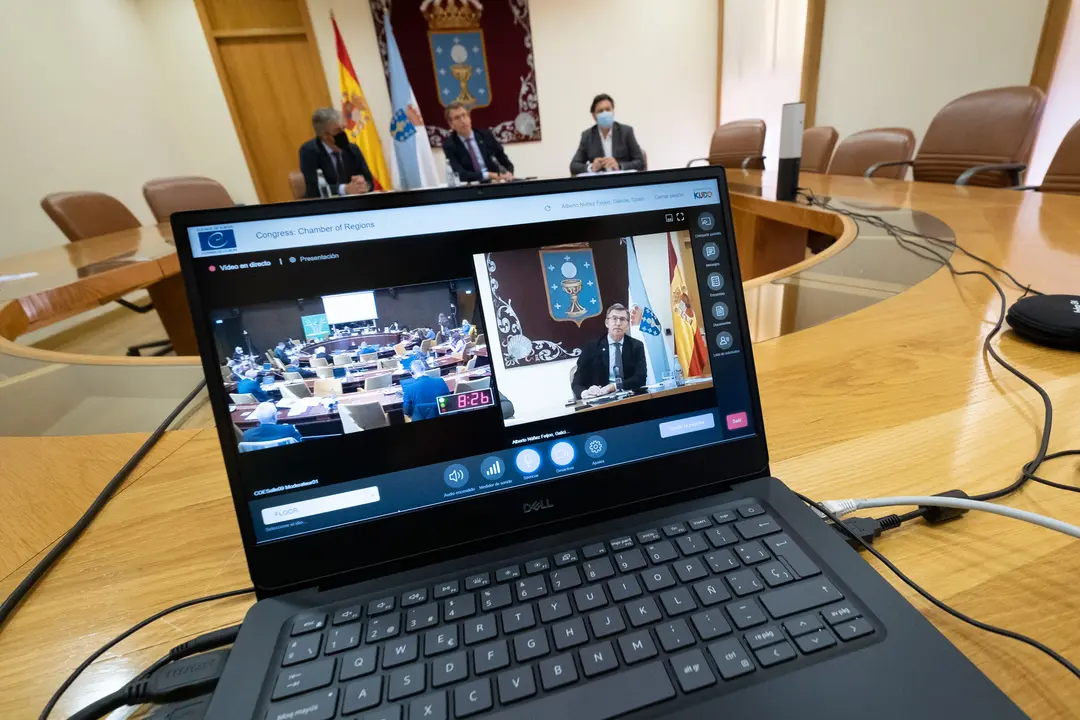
(895, 398)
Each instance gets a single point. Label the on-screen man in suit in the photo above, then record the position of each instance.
(607, 145)
(614, 362)
(474, 154)
(341, 162)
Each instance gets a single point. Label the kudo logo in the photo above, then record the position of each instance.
(702, 194)
(217, 240)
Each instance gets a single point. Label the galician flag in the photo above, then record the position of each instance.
(359, 123)
(644, 325)
(413, 165)
(689, 344)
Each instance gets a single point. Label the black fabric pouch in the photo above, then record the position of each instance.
(1051, 320)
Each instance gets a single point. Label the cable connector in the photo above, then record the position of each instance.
(939, 515)
(183, 710)
(868, 529)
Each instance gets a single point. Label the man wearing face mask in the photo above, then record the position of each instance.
(607, 145)
(341, 162)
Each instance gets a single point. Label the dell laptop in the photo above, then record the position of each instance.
(523, 472)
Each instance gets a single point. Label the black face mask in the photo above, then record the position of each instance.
(341, 140)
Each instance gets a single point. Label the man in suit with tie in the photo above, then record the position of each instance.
(341, 162)
(612, 363)
(475, 155)
(607, 145)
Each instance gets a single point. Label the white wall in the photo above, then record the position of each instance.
(890, 63)
(1062, 102)
(658, 60)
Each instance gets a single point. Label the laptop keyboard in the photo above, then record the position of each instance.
(690, 606)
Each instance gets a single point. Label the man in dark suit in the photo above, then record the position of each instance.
(341, 162)
(614, 362)
(251, 386)
(419, 396)
(607, 145)
(268, 429)
(475, 155)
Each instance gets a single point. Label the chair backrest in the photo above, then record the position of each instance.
(426, 345)
(278, 364)
(818, 144)
(362, 416)
(296, 182)
(733, 142)
(81, 215)
(250, 446)
(434, 372)
(243, 399)
(471, 364)
(298, 390)
(342, 359)
(858, 152)
(317, 362)
(298, 343)
(326, 388)
(377, 382)
(293, 375)
(1063, 175)
(470, 385)
(989, 126)
(166, 196)
(324, 372)
(389, 364)
(399, 349)
(226, 373)
(644, 159)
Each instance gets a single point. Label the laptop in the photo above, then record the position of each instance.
(589, 531)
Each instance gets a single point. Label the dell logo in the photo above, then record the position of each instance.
(544, 504)
(702, 194)
(1076, 306)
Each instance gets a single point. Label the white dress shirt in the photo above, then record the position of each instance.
(605, 143)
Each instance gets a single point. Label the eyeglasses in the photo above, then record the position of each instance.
(619, 319)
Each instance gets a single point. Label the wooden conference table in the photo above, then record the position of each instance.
(873, 383)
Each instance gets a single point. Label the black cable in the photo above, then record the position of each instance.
(19, 593)
(938, 603)
(1051, 483)
(128, 633)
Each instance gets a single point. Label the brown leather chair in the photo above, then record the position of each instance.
(1063, 175)
(817, 148)
(737, 144)
(166, 196)
(82, 215)
(983, 138)
(296, 182)
(859, 152)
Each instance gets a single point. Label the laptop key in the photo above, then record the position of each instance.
(710, 624)
(763, 637)
(745, 614)
(757, 527)
(446, 589)
(594, 551)
(343, 638)
(422, 617)
(642, 612)
(690, 569)
(839, 612)
(384, 627)
(570, 633)
(380, 606)
(658, 578)
(711, 592)
(692, 544)
(440, 640)
(598, 659)
(601, 699)
(480, 629)
(661, 552)
(518, 618)
(554, 608)
(775, 654)
(472, 698)
(456, 608)
(724, 516)
(399, 652)
(752, 552)
(648, 536)
(775, 573)
(356, 664)
(557, 672)
(744, 582)
(497, 597)
(674, 529)
(361, 695)
(784, 547)
(293, 681)
(413, 597)
(506, 574)
(637, 647)
(852, 629)
(537, 566)
(800, 597)
(568, 557)
(531, 588)
(429, 707)
(691, 671)
(722, 561)
(751, 510)
(700, 523)
(315, 706)
(449, 669)
(599, 569)
(606, 622)
(590, 598)
(815, 641)
(624, 588)
(621, 543)
(477, 581)
(677, 602)
(720, 536)
(630, 560)
(530, 645)
(347, 615)
(566, 579)
(389, 712)
(516, 684)
(308, 623)
(674, 635)
(803, 624)
(406, 682)
(490, 657)
(302, 649)
(730, 658)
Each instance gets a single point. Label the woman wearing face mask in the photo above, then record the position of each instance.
(607, 145)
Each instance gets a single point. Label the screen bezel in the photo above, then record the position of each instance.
(285, 565)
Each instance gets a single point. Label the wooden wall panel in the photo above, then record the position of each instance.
(239, 14)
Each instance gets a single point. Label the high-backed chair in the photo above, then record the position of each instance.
(983, 138)
(737, 144)
(863, 150)
(166, 196)
(817, 148)
(362, 416)
(296, 390)
(252, 446)
(296, 183)
(426, 345)
(393, 363)
(324, 372)
(378, 382)
(289, 375)
(400, 349)
(470, 385)
(82, 215)
(1063, 175)
(326, 388)
(317, 362)
(342, 359)
(243, 399)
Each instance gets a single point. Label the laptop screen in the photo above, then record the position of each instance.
(383, 361)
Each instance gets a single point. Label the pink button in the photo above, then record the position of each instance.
(736, 421)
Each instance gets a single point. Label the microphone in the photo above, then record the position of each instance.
(617, 371)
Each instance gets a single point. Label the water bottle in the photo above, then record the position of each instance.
(679, 381)
(324, 187)
(452, 179)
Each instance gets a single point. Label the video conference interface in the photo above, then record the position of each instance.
(404, 378)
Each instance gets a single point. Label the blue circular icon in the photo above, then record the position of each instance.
(716, 281)
(595, 446)
(492, 468)
(562, 453)
(456, 476)
(724, 340)
(706, 221)
(527, 461)
(720, 311)
(710, 250)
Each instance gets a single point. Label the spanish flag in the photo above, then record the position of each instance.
(359, 123)
(689, 343)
